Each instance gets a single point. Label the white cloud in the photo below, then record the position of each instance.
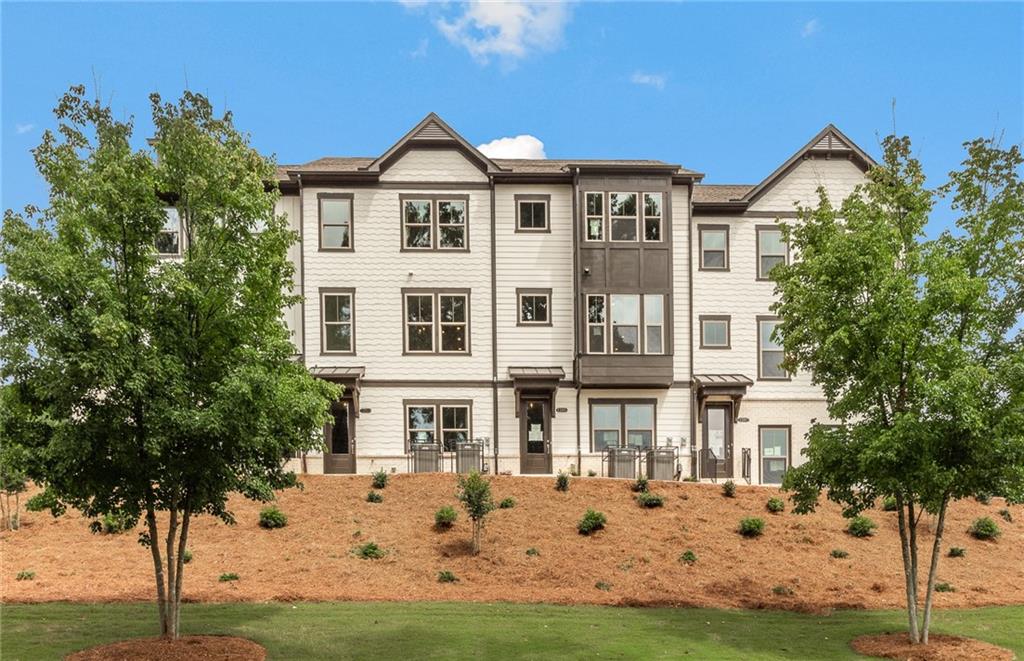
(421, 49)
(22, 129)
(655, 80)
(811, 27)
(521, 146)
(510, 30)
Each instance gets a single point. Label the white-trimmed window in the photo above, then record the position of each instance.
(436, 322)
(168, 239)
(714, 332)
(417, 226)
(770, 352)
(654, 323)
(435, 223)
(335, 221)
(626, 323)
(595, 216)
(337, 320)
(596, 321)
(419, 323)
(652, 216)
(622, 216)
(451, 223)
(622, 423)
(445, 422)
(771, 250)
(532, 214)
(421, 422)
(605, 426)
(454, 320)
(454, 425)
(774, 443)
(534, 307)
(714, 247)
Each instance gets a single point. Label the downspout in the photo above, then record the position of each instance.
(494, 331)
(577, 311)
(302, 288)
(689, 285)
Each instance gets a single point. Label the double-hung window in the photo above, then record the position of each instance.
(335, 221)
(168, 239)
(714, 331)
(443, 422)
(431, 223)
(595, 216)
(626, 323)
(621, 423)
(771, 250)
(714, 247)
(770, 353)
(652, 216)
(622, 216)
(436, 321)
(532, 213)
(337, 319)
(534, 307)
(774, 446)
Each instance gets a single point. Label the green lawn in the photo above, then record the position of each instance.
(487, 631)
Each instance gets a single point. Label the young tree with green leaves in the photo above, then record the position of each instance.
(475, 495)
(916, 344)
(145, 387)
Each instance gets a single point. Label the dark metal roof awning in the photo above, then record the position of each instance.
(535, 380)
(721, 386)
(346, 376)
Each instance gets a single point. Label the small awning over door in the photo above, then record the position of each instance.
(346, 376)
(720, 387)
(536, 380)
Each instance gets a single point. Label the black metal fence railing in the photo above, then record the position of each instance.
(708, 464)
(745, 459)
(661, 463)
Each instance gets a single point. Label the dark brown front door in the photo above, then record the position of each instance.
(717, 425)
(535, 435)
(340, 455)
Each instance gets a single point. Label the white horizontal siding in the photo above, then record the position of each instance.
(680, 282)
(433, 165)
(289, 206)
(839, 176)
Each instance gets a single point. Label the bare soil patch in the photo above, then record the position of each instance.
(186, 648)
(637, 555)
(939, 648)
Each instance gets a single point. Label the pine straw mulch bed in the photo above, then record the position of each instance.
(636, 558)
(940, 647)
(186, 648)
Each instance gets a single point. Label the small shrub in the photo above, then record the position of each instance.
(507, 503)
(1005, 513)
(444, 518)
(446, 576)
(688, 557)
(562, 482)
(591, 473)
(984, 528)
(230, 576)
(380, 479)
(690, 478)
(889, 504)
(640, 486)
(25, 576)
(861, 526)
(186, 557)
(839, 553)
(532, 552)
(648, 499)
(775, 505)
(751, 526)
(575, 472)
(944, 587)
(271, 517)
(957, 552)
(602, 585)
(782, 591)
(729, 489)
(984, 498)
(112, 524)
(591, 522)
(374, 497)
(369, 551)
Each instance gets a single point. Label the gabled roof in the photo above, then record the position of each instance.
(829, 141)
(432, 130)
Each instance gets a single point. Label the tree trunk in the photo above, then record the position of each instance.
(171, 629)
(476, 538)
(908, 569)
(3, 510)
(17, 512)
(158, 565)
(932, 571)
(182, 542)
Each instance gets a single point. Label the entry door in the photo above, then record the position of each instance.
(535, 435)
(340, 456)
(718, 438)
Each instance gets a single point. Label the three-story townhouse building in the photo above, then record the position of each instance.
(562, 312)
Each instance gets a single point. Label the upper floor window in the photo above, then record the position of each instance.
(436, 322)
(624, 423)
(447, 423)
(337, 320)
(595, 216)
(652, 216)
(770, 353)
(714, 332)
(534, 307)
(532, 213)
(335, 221)
(636, 324)
(168, 239)
(714, 247)
(622, 214)
(771, 250)
(434, 223)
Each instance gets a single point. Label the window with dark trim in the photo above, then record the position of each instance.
(534, 307)
(714, 247)
(652, 216)
(622, 423)
(622, 216)
(771, 250)
(435, 223)
(769, 352)
(337, 321)
(532, 213)
(595, 216)
(445, 422)
(626, 323)
(168, 239)
(774, 448)
(335, 211)
(715, 331)
(436, 321)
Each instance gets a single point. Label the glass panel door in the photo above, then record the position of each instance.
(339, 430)
(536, 427)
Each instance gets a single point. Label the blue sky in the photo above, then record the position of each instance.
(727, 89)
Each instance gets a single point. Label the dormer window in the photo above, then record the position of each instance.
(435, 223)
(168, 239)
